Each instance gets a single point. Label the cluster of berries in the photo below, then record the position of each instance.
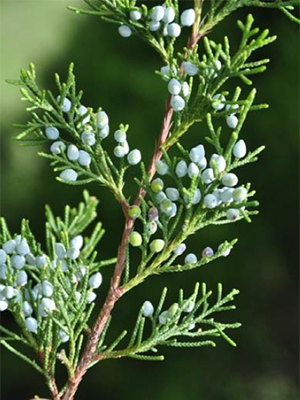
(218, 105)
(197, 168)
(160, 19)
(37, 300)
(179, 88)
(88, 138)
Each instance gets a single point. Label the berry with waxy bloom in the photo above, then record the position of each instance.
(8, 292)
(47, 289)
(232, 121)
(82, 111)
(60, 250)
(193, 170)
(41, 261)
(125, 146)
(210, 201)
(31, 324)
(3, 271)
(226, 195)
(207, 252)
(151, 227)
(17, 261)
(207, 176)
(239, 194)
(218, 103)
(72, 152)
(174, 30)
(202, 164)
(47, 306)
(225, 253)
(180, 249)
(134, 212)
(240, 149)
(157, 13)
(148, 309)
(165, 70)
(232, 107)
(8, 247)
(217, 194)
(154, 26)
(52, 133)
(169, 15)
(125, 31)
(135, 15)
(69, 175)
(135, 239)
(23, 248)
(95, 280)
(197, 153)
(88, 138)
(160, 197)
(22, 278)
(91, 297)
(77, 242)
(189, 68)
(219, 161)
(58, 147)
(232, 214)
(119, 151)
(30, 259)
(104, 132)
(163, 318)
(172, 194)
(27, 309)
(189, 306)
(191, 258)
(157, 245)
(229, 180)
(73, 253)
(66, 104)
(177, 103)
(102, 119)
(161, 167)
(181, 169)
(120, 136)
(64, 337)
(3, 256)
(3, 305)
(185, 89)
(84, 158)
(174, 86)
(197, 197)
(188, 17)
(134, 157)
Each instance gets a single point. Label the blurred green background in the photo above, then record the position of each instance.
(118, 74)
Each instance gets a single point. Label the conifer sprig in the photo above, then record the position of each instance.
(51, 291)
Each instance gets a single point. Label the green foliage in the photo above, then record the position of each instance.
(66, 277)
(190, 319)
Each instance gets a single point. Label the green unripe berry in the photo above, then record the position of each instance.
(135, 239)
(157, 245)
(157, 185)
(134, 212)
(173, 310)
